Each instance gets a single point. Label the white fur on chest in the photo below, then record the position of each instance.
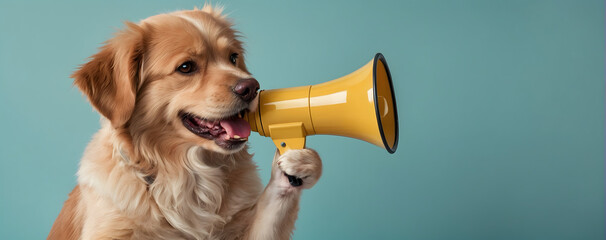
(188, 199)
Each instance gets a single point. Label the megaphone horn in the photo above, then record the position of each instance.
(360, 105)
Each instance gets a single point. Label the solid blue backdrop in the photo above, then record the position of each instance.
(501, 111)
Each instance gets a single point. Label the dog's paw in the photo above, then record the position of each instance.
(298, 168)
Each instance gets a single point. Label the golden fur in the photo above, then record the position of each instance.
(144, 175)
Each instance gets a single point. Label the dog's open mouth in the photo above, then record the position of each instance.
(229, 133)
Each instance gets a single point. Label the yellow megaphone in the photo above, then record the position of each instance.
(360, 105)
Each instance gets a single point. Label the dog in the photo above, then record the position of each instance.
(170, 160)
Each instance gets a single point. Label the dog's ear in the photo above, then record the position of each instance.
(110, 78)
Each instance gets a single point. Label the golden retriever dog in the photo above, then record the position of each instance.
(170, 160)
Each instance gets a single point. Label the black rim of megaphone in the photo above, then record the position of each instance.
(380, 57)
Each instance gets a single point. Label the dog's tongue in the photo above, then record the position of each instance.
(236, 126)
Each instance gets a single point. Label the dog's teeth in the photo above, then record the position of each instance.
(237, 137)
(226, 137)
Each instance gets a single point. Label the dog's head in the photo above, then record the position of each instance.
(177, 77)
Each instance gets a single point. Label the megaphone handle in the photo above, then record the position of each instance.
(284, 145)
(287, 136)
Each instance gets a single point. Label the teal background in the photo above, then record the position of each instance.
(501, 112)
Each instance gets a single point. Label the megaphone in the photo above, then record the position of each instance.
(360, 105)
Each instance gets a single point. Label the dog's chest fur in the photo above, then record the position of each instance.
(200, 196)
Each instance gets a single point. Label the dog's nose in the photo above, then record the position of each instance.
(247, 89)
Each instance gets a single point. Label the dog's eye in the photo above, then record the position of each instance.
(187, 67)
(233, 58)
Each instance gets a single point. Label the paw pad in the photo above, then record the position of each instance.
(294, 181)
